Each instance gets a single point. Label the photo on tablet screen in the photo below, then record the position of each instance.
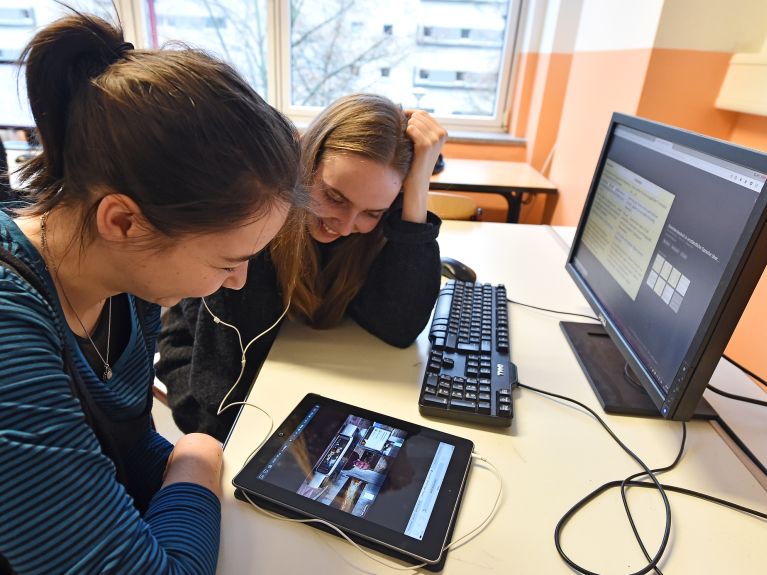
(362, 467)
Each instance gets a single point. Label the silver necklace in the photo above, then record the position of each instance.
(107, 374)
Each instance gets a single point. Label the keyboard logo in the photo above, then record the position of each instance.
(499, 369)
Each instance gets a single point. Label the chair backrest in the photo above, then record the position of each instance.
(452, 206)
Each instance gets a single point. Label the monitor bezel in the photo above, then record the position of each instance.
(740, 277)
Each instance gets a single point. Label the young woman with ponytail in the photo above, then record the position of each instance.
(162, 173)
(369, 252)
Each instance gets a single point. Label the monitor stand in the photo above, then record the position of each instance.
(604, 367)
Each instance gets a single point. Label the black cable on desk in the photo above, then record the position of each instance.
(736, 397)
(657, 471)
(583, 502)
(632, 380)
(551, 310)
(631, 482)
(744, 369)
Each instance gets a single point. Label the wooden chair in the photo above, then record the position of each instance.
(450, 206)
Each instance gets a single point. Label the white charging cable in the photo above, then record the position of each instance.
(452, 545)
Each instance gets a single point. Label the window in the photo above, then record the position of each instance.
(452, 57)
(19, 20)
(234, 30)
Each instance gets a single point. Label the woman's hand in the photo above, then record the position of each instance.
(197, 458)
(428, 137)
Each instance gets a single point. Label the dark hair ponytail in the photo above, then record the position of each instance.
(178, 131)
(59, 62)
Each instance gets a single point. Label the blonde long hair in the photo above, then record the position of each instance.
(367, 125)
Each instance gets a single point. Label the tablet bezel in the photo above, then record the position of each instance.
(427, 550)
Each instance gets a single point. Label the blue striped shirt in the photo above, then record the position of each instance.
(61, 507)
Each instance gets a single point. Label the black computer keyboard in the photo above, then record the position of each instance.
(469, 374)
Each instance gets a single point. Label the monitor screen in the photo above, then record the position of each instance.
(669, 248)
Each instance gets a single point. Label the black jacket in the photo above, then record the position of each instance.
(200, 360)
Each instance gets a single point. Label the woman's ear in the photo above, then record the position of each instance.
(118, 218)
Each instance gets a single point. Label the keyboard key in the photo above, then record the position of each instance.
(434, 400)
(462, 404)
(468, 347)
(451, 341)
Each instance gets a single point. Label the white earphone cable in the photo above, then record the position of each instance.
(243, 361)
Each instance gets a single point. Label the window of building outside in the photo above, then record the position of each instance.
(19, 20)
(450, 57)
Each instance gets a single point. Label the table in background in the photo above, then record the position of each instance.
(508, 179)
(551, 456)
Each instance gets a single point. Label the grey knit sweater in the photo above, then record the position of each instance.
(199, 360)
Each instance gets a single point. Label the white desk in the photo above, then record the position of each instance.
(551, 456)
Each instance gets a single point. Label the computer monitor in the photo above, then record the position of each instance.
(670, 245)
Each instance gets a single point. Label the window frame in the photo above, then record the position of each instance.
(133, 16)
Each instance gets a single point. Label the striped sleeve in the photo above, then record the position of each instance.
(61, 508)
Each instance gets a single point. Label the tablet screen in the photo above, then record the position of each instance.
(362, 467)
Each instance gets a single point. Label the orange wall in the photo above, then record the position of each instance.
(599, 83)
(546, 106)
(676, 92)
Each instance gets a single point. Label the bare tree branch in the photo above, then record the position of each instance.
(342, 8)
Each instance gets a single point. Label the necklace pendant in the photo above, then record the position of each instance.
(107, 373)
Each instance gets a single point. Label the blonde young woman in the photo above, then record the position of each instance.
(370, 253)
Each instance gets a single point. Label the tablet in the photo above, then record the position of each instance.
(388, 484)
